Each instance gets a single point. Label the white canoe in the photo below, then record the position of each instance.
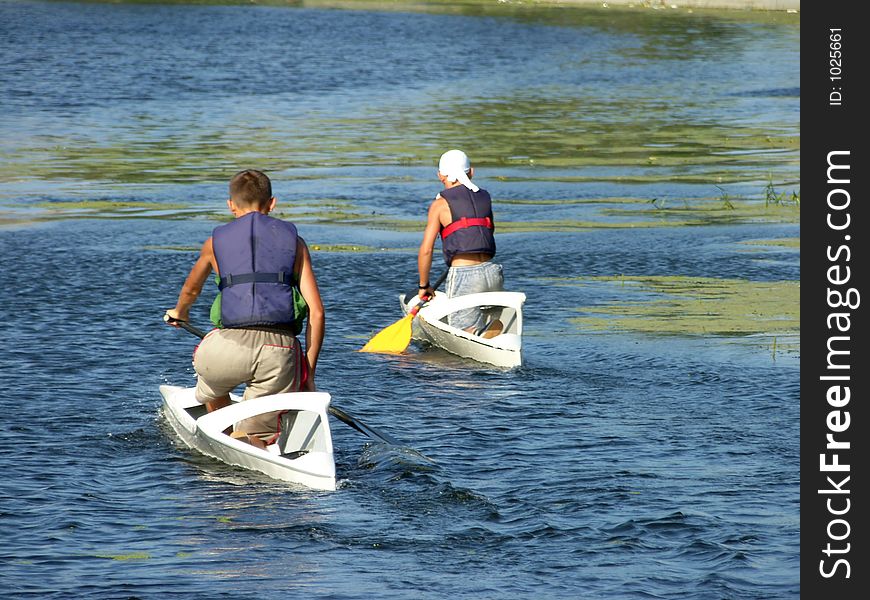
(302, 454)
(504, 350)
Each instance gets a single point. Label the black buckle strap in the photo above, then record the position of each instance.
(230, 280)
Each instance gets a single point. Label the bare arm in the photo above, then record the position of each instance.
(316, 326)
(430, 234)
(193, 284)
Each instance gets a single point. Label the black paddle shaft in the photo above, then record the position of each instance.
(188, 327)
(333, 410)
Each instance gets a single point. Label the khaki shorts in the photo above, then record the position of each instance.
(267, 361)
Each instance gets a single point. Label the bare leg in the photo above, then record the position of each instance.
(217, 403)
(256, 441)
(252, 439)
(495, 328)
(490, 331)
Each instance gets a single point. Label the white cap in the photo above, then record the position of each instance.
(454, 165)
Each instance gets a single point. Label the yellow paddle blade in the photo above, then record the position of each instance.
(394, 338)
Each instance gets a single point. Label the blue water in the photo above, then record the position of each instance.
(611, 465)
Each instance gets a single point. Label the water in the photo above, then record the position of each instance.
(613, 464)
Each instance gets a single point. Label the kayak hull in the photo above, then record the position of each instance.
(504, 350)
(302, 454)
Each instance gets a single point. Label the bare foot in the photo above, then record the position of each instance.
(256, 441)
(495, 328)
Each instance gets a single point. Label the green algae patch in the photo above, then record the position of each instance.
(133, 556)
(303, 206)
(107, 206)
(322, 216)
(384, 222)
(313, 247)
(387, 223)
(779, 242)
(676, 305)
(613, 213)
(17, 221)
(661, 134)
(342, 248)
(636, 140)
(42, 212)
(643, 17)
(568, 225)
(570, 201)
(712, 211)
(359, 248)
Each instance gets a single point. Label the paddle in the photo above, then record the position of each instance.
(396, 337)
(333, 410)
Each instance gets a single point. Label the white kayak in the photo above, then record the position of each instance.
(301, 454)
(503, 350)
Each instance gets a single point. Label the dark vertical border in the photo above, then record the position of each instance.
(834, 113)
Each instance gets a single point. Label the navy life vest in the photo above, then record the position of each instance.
(255, 257)
(472, 225)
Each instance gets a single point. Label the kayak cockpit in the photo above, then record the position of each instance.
(302, 451)
(500, 343)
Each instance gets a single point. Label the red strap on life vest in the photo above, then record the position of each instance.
(466, 222)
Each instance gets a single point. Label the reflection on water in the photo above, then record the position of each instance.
(164, 105)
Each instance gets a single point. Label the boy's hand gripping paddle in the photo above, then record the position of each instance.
(396, 337)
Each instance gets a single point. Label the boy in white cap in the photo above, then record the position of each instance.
(462, 215)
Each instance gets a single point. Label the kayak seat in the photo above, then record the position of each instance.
(301, 432)
(493, 328)
(295, 436)
(285, 426)
(511, 321)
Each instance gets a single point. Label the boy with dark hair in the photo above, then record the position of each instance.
(263, 267)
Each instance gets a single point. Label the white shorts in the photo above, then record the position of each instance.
(473, 279)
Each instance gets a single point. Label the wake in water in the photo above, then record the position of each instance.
(415, 482)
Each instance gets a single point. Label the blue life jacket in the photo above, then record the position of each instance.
(472, 224)
(255, 257)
